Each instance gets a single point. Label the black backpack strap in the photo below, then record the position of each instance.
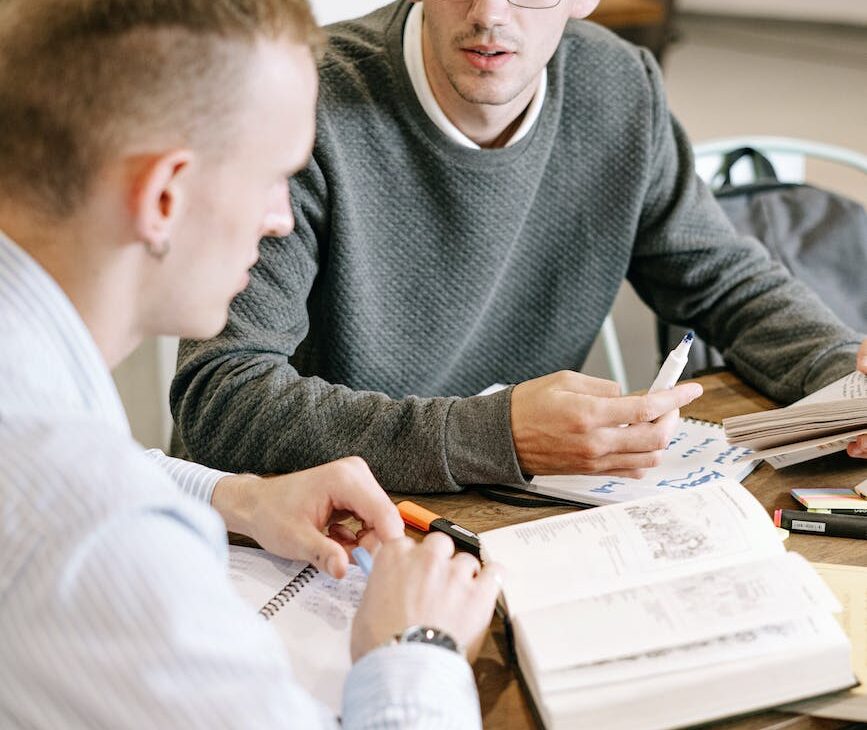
(762, 168)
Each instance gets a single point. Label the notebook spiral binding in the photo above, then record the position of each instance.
(288, 592)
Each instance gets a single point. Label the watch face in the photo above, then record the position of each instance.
(428, 635)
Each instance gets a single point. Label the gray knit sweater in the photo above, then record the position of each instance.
(421, 271)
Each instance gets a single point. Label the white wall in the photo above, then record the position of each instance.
(330, 11)
(823, 11)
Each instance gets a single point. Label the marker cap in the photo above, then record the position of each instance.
(416, 515)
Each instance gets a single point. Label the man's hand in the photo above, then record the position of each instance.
(288, 515)
(568, 423)
(425, 584)
(858, 448)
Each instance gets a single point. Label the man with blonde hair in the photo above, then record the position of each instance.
(145, 148)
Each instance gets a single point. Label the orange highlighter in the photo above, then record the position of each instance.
(423, 519)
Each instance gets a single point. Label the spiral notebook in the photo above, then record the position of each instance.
(311, 611)
(698, 455)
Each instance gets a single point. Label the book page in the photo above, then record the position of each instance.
(849, 584)
(563, 558)
(315, 622)
(689, 610)
(787, 635)
(783, 456)
(853, 385)
(697, 455)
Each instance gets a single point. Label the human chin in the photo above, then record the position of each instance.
(486, 89)
(207, 324)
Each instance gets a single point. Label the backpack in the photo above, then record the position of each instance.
(818, 235)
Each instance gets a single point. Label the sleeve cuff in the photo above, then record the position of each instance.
(831, 366)
(479, 445)
(194, 480)
(411, 686)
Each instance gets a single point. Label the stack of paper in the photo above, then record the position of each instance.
(821, 423)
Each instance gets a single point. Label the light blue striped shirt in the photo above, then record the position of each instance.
(115, 606)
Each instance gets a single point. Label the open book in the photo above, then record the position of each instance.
(822, 423)
(311, 611)
(665, 612)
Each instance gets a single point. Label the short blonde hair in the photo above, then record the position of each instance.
(80, 79)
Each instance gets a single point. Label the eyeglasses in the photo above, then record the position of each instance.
(530, 4)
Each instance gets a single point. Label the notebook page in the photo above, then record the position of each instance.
(559, 559)
(258, 575)
(315, 623)
(698, 455)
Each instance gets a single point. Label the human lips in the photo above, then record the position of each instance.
(487, 57)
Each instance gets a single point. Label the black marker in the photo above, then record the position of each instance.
(816, 523)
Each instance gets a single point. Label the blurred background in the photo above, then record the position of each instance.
(793, 68)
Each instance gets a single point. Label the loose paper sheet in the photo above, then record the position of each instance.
(849, 584)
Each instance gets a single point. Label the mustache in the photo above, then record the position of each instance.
(487, 38)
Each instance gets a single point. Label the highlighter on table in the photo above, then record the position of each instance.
(816, 523)
(425, 520)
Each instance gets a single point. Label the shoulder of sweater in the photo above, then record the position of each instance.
(592, 47)
(354, 42)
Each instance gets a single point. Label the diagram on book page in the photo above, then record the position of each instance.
(702, 524)
(669, 534)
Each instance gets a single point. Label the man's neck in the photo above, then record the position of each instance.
(93, 283)
(488, 125)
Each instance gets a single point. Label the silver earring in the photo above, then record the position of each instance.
(160, 252)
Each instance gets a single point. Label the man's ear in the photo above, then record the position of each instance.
(157, 194)
(582, 8)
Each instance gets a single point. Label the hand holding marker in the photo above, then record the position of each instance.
(674, 365)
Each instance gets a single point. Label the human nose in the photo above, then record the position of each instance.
(278, 220)
(489, 13)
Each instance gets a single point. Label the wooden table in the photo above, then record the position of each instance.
(502, 700)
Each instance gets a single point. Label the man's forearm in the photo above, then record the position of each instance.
(256, 415)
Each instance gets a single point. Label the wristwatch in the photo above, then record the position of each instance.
(426, 635)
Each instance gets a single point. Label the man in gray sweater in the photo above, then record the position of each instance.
(485, 175)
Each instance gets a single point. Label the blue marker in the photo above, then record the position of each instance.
(363, 558)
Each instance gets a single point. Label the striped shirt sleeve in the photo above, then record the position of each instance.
(193, 479)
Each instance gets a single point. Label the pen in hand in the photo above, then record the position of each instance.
(363, 559)
(674, 365)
